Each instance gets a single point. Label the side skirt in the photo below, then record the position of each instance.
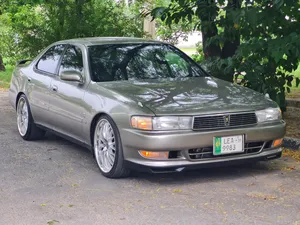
(64, 136)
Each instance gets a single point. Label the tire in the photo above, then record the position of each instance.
(26, 126)
(108, 150)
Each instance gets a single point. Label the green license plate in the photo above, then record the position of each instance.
(228, 145)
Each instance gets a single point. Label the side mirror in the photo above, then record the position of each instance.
(71, 75)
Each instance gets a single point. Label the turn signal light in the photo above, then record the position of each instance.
(143, 123)
(277, 142)
(154, 155)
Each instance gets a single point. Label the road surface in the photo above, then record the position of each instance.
(55, 182)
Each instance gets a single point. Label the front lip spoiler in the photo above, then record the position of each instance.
(176, 169)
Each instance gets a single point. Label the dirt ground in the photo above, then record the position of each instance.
(292, 118)
(295, 94)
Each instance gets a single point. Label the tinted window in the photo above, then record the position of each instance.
(140, 61)
(49, 61)
(72, 60)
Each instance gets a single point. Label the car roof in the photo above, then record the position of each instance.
(106, 40)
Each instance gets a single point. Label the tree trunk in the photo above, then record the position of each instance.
(212, 50)
(231, 31)
(2, 67)
(209, 30)
(232, 36)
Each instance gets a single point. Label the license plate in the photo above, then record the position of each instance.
(228, 145)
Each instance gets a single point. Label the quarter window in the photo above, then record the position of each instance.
(72, 60)
(49, 61)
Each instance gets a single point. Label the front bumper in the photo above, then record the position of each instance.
(179, 167)
(134, 140)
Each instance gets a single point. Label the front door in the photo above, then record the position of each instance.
(66, 102)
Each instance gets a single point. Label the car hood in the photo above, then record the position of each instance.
(183, 96)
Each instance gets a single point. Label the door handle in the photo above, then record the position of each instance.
(54, 88)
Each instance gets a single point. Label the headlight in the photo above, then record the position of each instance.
(268, 114)
(172, 123)
(162, 123)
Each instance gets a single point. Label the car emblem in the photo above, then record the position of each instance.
(226, 120)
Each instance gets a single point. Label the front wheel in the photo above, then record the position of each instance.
(108, 149)
(26, 126)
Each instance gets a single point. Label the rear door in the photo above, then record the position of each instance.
(39, 83)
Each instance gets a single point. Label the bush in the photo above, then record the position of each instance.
(257, 41)
(199, 56)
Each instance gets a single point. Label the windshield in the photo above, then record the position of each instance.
(140, 61)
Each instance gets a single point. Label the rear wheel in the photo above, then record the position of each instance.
(26, 127)
(108, 149)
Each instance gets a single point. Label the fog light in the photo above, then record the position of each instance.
(154, 155)
(277, 142)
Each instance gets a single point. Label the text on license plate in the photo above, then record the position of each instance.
(228, 145)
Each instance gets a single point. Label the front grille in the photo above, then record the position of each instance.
(224, 121)
(207, 152)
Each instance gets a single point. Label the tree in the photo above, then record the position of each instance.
(32, 25)
(256, 40)
(2, 67)
(169, 33)
(10, 12)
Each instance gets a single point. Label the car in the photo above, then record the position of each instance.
(143, 105)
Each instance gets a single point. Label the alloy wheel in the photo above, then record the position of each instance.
(22, 116)
(105, 145)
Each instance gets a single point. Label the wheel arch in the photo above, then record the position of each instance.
(93, 125)
(17, 98)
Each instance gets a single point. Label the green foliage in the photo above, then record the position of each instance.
(257, 40)
(5, 77)
(166, 32)
(199, 56)
(271, 47)
(172, 33)
(26, 33)
(27, 26)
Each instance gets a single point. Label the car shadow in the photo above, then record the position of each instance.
(222, 173)
(60, 141)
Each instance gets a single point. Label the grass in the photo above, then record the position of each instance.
(295, 91)
(296, 73)
(6, 76)
(188, 51)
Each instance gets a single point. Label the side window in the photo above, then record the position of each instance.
(72, 60)
(49, 61)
